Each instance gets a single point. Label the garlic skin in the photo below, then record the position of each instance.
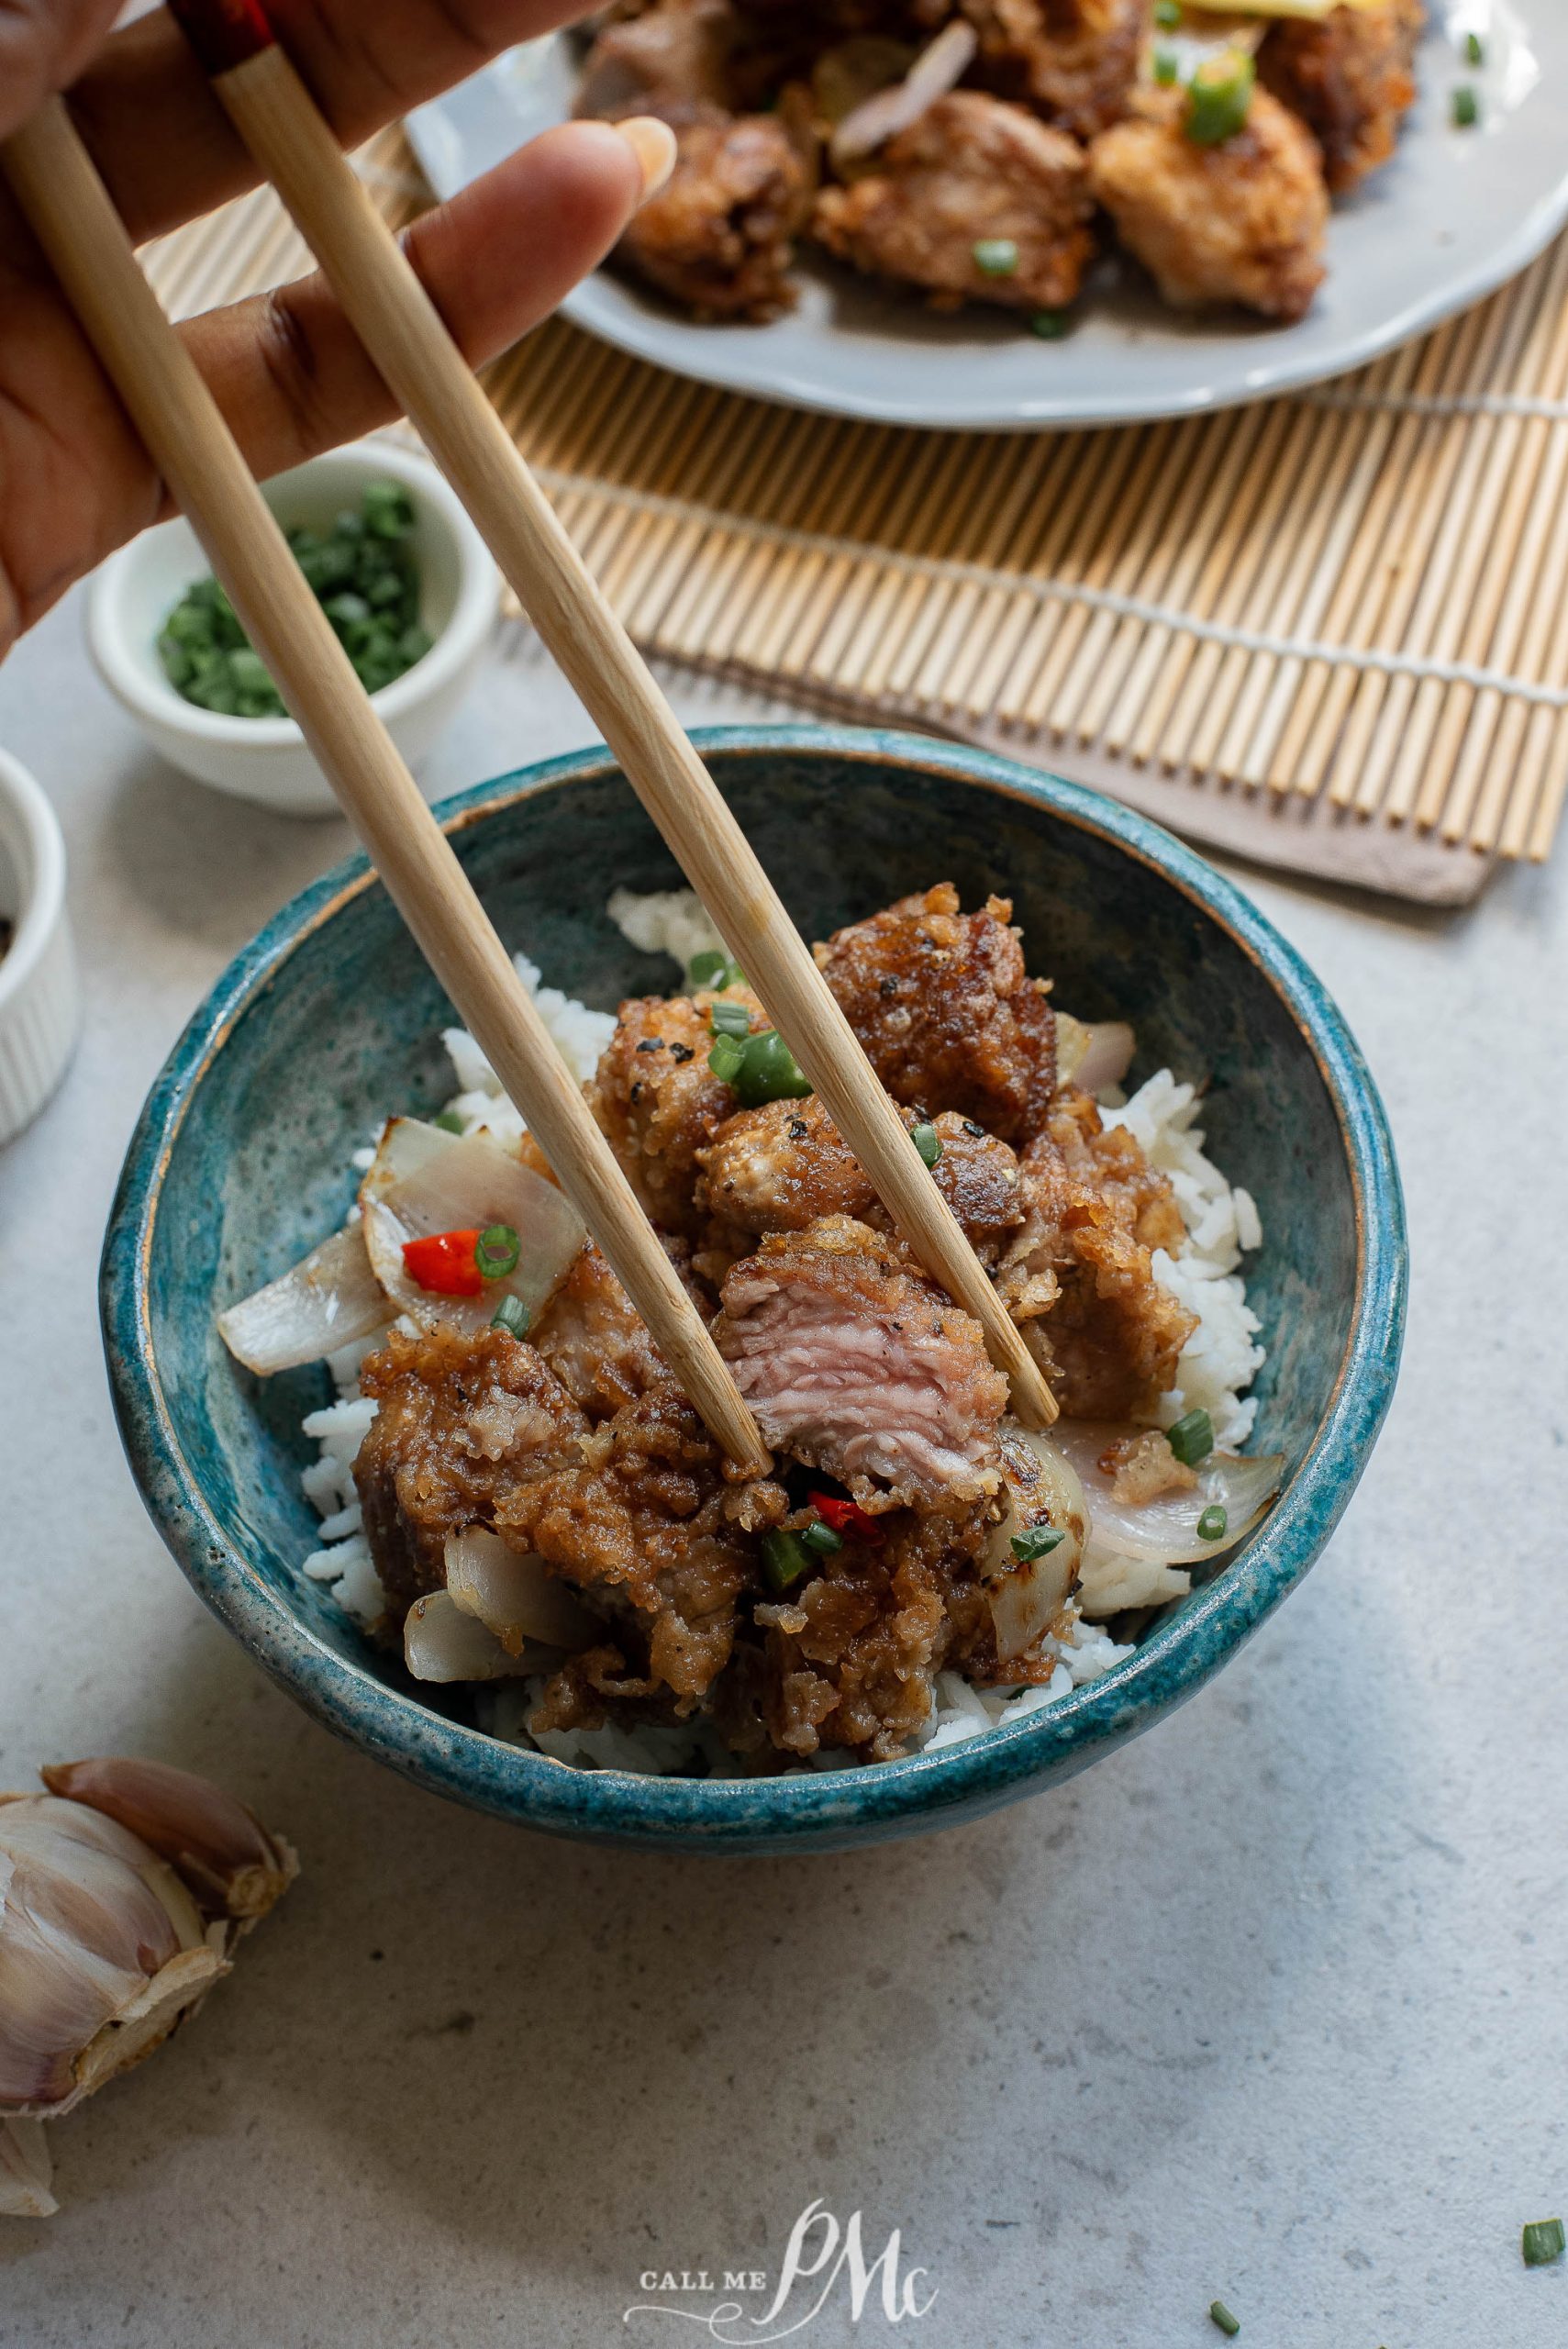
(25, 2171)
(221, 1850)
(123, 1891)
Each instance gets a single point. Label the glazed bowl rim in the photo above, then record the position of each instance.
(464, 1764)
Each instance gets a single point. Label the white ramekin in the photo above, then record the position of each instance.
(40, 998)
(265, 759)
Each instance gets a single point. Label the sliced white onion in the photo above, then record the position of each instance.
(1092, 1056)
(440, 1642)
(513, 1593)
(424, 1180)
(1112, 1582)
(328, 1301)
(936, 69)
(1041, 1488)
(1166, 1530)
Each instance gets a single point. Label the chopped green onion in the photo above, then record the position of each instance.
(1049, 324)
(1219, 97)
(770, 1072)
(1037, 1543)
(1166, 66)
(726, 1059)
(714, 969)
(1167, 15)
(1475, 48)
(449, 1121)
(1220, 2315)
(1543, 2242)
(1211, 1525)
(928, 1141)
(1192, 1438)
(1466, 108)
(365, 578)
(820, 1536)
(511, 1315)
(729, 1020)
(785, 1558)
(497, 1252)
(996, 257)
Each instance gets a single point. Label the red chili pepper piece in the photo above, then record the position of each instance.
(848, 1517)
(446, 1262)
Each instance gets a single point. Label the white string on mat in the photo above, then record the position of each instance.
(1351, 401)
(947, 570)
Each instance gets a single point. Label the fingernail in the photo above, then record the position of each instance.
(653, 144)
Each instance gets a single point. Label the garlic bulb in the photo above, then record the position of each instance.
(122, 1893)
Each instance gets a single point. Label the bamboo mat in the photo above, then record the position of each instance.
(1330, 632)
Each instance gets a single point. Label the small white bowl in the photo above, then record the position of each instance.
(265, 759)
(40, 998)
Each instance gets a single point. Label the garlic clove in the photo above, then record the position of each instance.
(25, 2171)
(219, 1849)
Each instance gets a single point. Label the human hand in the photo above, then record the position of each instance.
(287, 370)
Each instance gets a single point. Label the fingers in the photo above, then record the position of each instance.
(44, 44)
(288, 371)
(163, 143)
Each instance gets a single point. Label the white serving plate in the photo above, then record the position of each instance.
(1455, 214)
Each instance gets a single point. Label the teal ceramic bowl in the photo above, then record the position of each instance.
(329, 1020)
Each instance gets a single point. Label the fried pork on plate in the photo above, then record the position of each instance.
(1351, 78)
(1241, 221)
(976, 201)
(719, 237)
(1073, 62)
(669, 56)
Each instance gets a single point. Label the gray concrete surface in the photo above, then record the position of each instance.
(1270, 2006)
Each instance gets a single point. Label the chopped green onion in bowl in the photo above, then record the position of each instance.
(770, 1072)
(363, 573)
(1192, 1438)
(729, 1020)
(1466, 107)
(497, 1252)
(1213, 1523)
(1049, 324)
(927, 1141)
(785, 1558)
(511, 1315)
(715, 969)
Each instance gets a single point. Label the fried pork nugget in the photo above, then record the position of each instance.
(1073, 62)
(1351, 80)
(1243, 221)
(971, 175)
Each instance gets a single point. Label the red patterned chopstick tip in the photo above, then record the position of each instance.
(223, 33)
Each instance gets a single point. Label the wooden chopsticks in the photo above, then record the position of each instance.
(69, 210)
(278, 119)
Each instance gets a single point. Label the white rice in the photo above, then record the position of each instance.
(1218, 1362)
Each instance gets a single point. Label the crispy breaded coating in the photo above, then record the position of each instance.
(785, 1165)
(1079, 1278)
(597, 1342)
(1351, 80)
(657, 1102)
(720, 236)
(460, 1420)
(1243, 221)
(971, 170)
(1073, 62)
(947, 1013)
